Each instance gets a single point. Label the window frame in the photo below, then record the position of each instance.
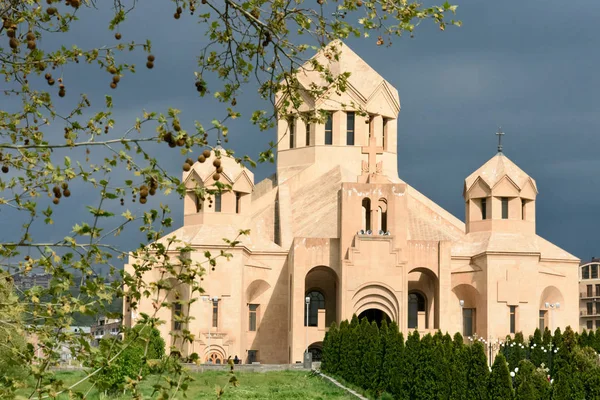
(350, 131)
(313, 310)
(253, 317)
(512, 318)
(483, 203)
(292, 131)
(329, 129)
(215, 314)
(504, 201)
(218, 202)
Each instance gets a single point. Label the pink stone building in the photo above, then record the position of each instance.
(338, 225)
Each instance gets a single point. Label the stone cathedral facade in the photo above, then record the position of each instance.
(336, 224)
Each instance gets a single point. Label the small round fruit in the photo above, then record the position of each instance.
(14, 43)
(179, 10)
(220, 169)
(186, 167)
(61, 92)
(51, 10)
(180, 142)
(48, 76)
(206, 153)
(118, 36)
(116, 78)
(113, 85)
(176, 15)
(201, 158)
(50, 81)
(30, 36)
(144, 192)
(143, 200)
(150, 58)
(216, 176)
(67, 192)
(150, 64)
(172, 144)
(217, 163)
(189, 161)
(152, 191)
(31, 45)
(112, 70)
(5, 169)
(56, 200)
(64, 185)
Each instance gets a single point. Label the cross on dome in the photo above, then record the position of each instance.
(500, 134)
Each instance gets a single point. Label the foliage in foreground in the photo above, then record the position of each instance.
(440, 367)
(60, 148)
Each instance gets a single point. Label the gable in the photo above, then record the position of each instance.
(506, 188)
(243, 184)
(529, 191)
(382, 102)
(193, 180)
(479, 189)
(224, 179)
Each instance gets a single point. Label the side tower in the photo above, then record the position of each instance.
(368, 107)
(230, 207)
(500, 197)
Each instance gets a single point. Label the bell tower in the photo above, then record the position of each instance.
(334, 128)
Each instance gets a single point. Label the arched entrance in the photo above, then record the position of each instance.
(316, 349)
(376, 296)
(422, 304)
(551, 301)
(374, 314)
(320, 286)
(214, 358)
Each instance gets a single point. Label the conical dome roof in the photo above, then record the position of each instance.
(495, 169)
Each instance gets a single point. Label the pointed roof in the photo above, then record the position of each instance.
(364, 82)
(495, 169)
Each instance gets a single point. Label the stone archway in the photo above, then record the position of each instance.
(321, 286)
(374, 314)
(423, 292)
(316, 349)
(471, 318)
(551, 304)
(376, 296)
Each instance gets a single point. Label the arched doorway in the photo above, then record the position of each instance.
(316, 349)
(417, 310)
(551, 301)
(374, 314)
(214, 358)
(320, 286)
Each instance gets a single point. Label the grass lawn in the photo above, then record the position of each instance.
(253, 385)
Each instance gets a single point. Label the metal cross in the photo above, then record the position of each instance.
(500, 134)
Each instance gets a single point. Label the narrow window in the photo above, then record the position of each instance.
(217, 202)
(590, 324)
(483, 208)
(308, 133)
(589, 290)
(329, 129)
(590, 308)
(317, 302)
(292, 130)
(504, 207)
(366, 210)
(594, 271)
(350, 128)
(585, 272)
(597, 323)
(177, 313)
(253, 318)
(215, 314)
(598, 291)
(513, 319)
(238, 202)
(523, 209)
(597, 308)
(198, 203)
(542, 320)
(468, 321)
(385, 133)
(371, 127)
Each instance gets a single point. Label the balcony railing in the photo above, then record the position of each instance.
(586, 295)
(585, 313)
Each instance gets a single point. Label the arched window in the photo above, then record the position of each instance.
(366, 213)
(382, 214)
(317, 302)
(416, 304)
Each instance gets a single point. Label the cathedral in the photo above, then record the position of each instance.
(336, 232)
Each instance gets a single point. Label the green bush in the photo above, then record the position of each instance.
(478, 376)
(500, 385)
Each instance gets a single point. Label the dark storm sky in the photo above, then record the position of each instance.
(528, 66)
